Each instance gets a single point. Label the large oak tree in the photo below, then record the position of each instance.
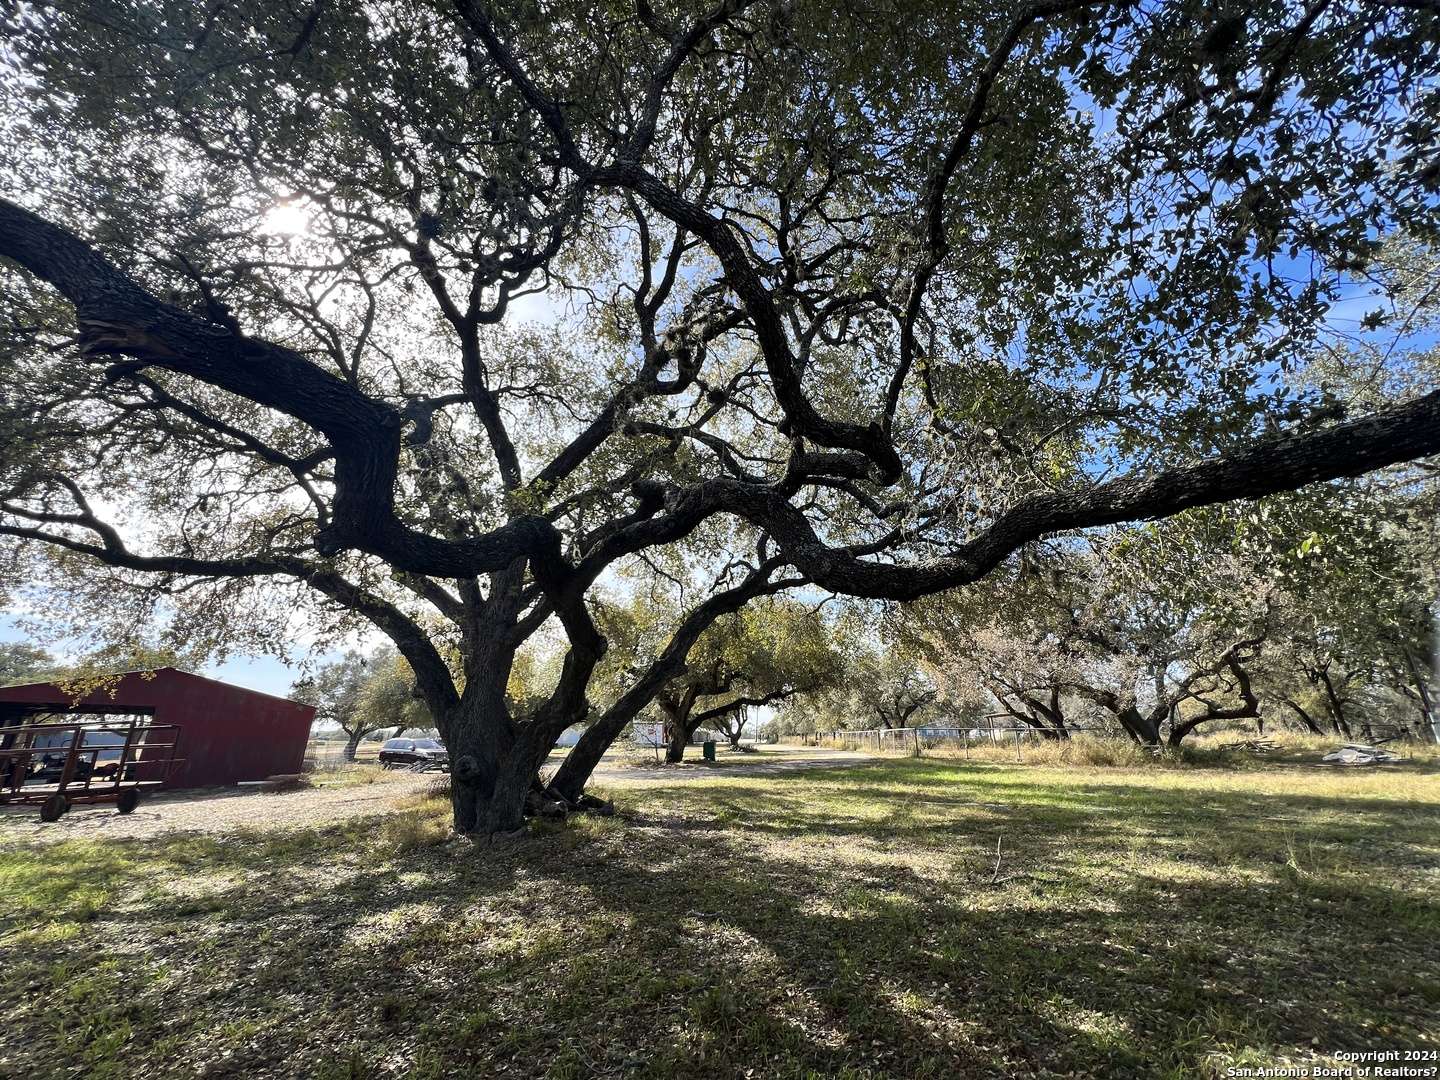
(860, 297)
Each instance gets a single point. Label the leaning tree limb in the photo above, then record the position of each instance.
(432, 675)
(1269, 466)
(116, 316)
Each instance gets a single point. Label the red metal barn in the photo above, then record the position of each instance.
(227, 733)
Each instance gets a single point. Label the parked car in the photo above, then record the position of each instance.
(403, 753)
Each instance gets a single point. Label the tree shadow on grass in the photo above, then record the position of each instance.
(778, 928)
(794, 806)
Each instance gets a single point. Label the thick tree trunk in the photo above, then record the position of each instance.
(1145, 730)
(492, 764)
(505, 810)
(1048, 720)
(678, 726)
(1055, 713)
(1178, 733)
(352, 744)
(675, 743)
(574, 772)
(1041, 724)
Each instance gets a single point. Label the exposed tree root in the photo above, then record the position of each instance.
(547, 802)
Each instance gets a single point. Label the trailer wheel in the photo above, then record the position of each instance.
(53, 807)
(127, 800)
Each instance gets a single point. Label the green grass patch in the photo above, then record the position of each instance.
(915, 918)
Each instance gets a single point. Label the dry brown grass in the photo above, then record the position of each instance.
(1087, 751)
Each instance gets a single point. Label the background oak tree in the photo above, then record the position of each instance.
(363, 694)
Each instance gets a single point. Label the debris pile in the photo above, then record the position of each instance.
(1359, 754)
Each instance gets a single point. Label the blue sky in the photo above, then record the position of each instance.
(263, 673)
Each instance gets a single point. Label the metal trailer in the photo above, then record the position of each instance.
(139, 757)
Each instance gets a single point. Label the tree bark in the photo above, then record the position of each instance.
(1305, 717)
(1143, 728)
(676, 737)
(1027, 709)
(352, 744)
(1427, 704)
(574, 773)
(679, 722)
(1048, 718)
(1055, 711)
(493, 760)
(1336, 706)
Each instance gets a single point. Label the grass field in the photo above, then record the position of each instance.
(845, 923)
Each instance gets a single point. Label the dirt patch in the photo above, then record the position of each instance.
(764, 763)
(226, 810)
(230, 810)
